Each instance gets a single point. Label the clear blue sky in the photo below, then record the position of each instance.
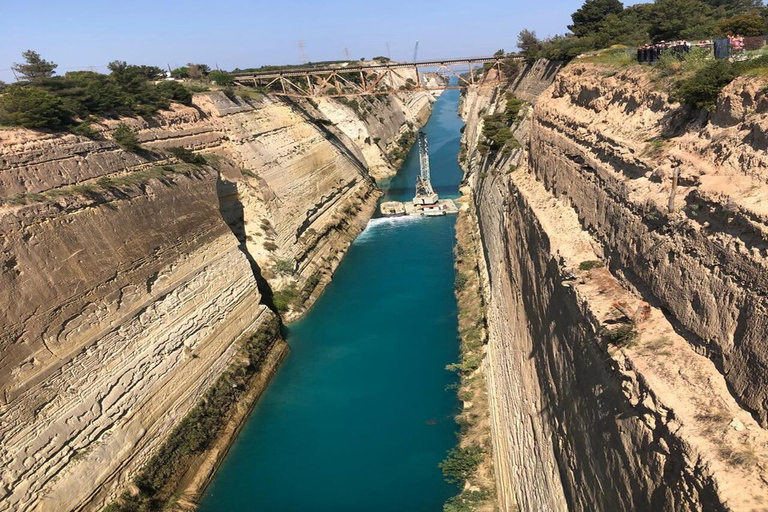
(77, 34)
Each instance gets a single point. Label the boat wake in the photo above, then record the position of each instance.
(379, 226)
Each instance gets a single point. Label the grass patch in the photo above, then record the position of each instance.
(285, 298)
(622, 336)
(588, 265)
(618, 56)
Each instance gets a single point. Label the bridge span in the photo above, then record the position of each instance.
(377, 77)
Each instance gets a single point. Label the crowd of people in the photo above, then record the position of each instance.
(723, 48)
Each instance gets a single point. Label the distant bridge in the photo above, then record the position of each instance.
(379, 78)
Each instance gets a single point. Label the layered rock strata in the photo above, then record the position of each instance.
(660, 421)
(127, 278)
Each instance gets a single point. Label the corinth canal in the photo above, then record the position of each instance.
(361, 412)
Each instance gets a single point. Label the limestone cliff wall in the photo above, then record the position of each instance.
(580, 423)
(127, 278)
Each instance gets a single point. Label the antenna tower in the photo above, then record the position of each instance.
(302, 52)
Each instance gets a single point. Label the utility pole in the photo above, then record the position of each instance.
(346, 53)
(302, 52)
(389, 55)
(415, 51)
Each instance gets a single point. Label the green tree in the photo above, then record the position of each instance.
(182, 72)
(460, 464)
(528, 43)
(748, 24)
(587, 19)
(630, 27)
(31, 107)
(3, 85)
(221, 77)
(733, 7)
(197, 70)
(131, 76)
(681, 19)
(174, 91)
(87, 92)
(35, 68)
(126, 137)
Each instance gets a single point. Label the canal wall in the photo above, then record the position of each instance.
(131, 281)
(618, 238)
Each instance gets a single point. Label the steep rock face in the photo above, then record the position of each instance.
(697, 246)
(580, 423)
(127, 278)
(119, 311)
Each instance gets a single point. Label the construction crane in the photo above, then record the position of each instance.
(425, 194)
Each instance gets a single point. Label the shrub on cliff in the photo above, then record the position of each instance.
(285, 298)
(187, 156)
(31, 107)
(622, 336)
(221, 77)
(498, 134)
(701, 90)
(126, 138)
(460, 464)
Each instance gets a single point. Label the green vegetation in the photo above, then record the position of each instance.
(497, 131)
(467, 501)
(32, 107)
(701, 89)
(460, 282)
(185, 155)
(512, 110)
(590, 265)
(284, 267)
(221, 77)
(285, 298)
(158, 479)
(461, 463)
(41, 100)
(622, 336)
(605, 23)
(404, 144)
(34, 68)
(126, 138)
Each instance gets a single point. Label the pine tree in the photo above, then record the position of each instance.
(35, 68)
(587, 19)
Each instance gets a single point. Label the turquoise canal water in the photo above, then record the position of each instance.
(358, 416)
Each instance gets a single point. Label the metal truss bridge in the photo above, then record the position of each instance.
(378, 78)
